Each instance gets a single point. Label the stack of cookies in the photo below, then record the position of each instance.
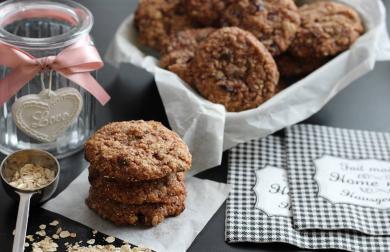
(136, 172)
(238, 53)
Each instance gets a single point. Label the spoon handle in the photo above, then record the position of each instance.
(21, 222)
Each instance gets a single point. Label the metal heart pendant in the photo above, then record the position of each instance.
(48, 114)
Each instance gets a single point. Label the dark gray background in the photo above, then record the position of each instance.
(365, 104)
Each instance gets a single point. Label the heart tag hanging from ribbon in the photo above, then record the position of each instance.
(47, 115)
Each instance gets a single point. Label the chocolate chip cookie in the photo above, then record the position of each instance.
(273, 22)
(291, 67)
(179, 50)
(186, 40)
(177, 62)
(155, 20)
(164, 190)
(122, 214)
(233, 68)
(206, 12)
(137, 151)
(327, 29)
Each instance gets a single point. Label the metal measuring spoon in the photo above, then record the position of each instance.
(14, 162)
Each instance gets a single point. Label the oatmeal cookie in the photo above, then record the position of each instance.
(122, 214)
(164, 190)
(179, 50)
(327, 29)
(273, 22)
(290, 66)
(177, 62)
(155, 20)
(206, 12)
(233, 68)
(186, 40)
(137, 151)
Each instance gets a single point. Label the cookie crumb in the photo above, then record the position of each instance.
(42, 226)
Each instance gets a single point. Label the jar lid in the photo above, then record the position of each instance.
(77, 18)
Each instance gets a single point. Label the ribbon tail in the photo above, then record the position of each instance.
(86, 81)
(13, 82)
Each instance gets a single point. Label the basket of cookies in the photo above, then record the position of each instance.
(231, 71)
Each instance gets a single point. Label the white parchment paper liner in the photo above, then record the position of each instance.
(208, 129)
(204, 197)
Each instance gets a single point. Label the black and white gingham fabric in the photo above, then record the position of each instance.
(307, 143)
(245, 223)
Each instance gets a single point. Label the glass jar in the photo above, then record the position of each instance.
(44, 28)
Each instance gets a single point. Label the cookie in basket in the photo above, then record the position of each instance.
(294, 67)
(124, 214)
(273, 22)
(179, 50)
(327, 29)
(137, 151)
(177, 62)
(233, 68)
(155, 20)
(187, 39)
(206, 12)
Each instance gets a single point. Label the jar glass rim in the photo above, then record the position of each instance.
(80, 18)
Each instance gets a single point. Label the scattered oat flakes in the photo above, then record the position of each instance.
(110, 239)
(43, 226)
(26, 244)
(30, 238)
(41, 233)
(91, 241)
(106, 248)
(64, 234)
(58, 230)
(56, 236)
(73, 235)
(45, 245)
(54, 223)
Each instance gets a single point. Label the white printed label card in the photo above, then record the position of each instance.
(339, 179)
(258, 208)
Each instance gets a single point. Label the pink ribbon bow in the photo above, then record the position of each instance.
(74, 63)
